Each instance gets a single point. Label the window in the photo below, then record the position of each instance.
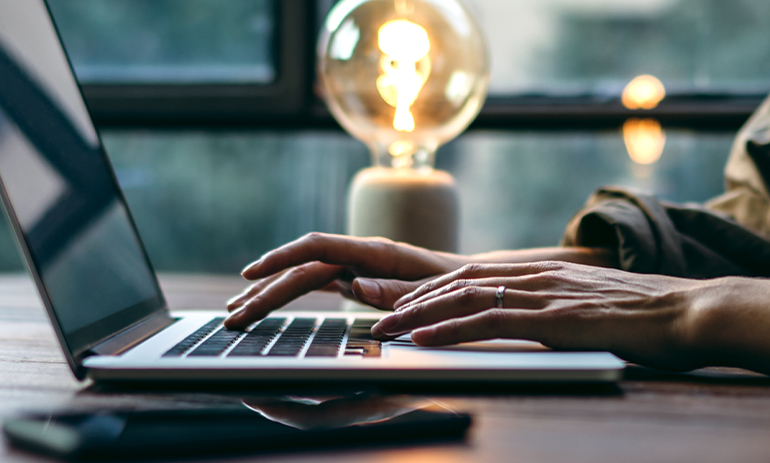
(200, 62)
(208, 112)
(169, 41)
(597, 46)
(177, 62)
(567, 61)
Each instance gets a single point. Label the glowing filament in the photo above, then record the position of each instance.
(404, 43)
(644, 139)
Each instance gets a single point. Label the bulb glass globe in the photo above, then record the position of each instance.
(403, 76)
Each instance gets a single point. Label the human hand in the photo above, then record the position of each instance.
(334, 262)
(647, 319)
(339, 412)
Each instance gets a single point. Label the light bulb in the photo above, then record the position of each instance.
(403, 76)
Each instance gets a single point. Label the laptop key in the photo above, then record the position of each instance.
(328, 339)
(179, 349)
(216, 344)
(362, 329)
(360, 341)
(293, 338)
(258, 338)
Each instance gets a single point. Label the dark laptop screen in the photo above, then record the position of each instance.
(62, 193)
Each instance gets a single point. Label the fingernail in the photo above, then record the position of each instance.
(235, 300)
(403, 300)
(389, 324)
(230, 320)
(252, 266)
(371, 289)
(423, 336)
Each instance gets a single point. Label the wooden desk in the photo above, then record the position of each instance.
(717, 415)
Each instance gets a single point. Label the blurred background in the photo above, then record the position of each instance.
(208, 112)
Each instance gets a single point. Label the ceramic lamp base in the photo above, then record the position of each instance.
(416, 206)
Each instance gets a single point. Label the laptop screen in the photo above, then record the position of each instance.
(60, 191)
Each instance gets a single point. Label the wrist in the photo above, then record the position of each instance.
(729, 321)
(449, 262)
(597, 256)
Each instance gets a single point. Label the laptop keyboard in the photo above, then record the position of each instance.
(273, 337)
(194, 338)
(255, 341)
(328, 339)
(293, 338)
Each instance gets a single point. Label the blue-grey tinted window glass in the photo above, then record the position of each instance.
(213, 202)
(169, 41)
(569, 46)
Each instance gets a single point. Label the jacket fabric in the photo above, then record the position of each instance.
(729, 235)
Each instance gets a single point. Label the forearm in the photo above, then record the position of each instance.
(731, 323)
(600, 257)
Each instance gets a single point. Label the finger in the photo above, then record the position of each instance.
(476, 271)
(238, 300)
(461, 284)
(372, 255)
(332, 287)
(330, 249)
(490, 324)
(344, 288)
(382, 294)
(460, 303)
(250, 292)
(291, 285)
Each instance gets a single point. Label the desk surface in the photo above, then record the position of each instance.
(712, 415)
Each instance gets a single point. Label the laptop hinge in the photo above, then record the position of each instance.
(127, 339)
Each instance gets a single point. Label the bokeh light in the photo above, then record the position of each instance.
(645, 140)
(644, 92)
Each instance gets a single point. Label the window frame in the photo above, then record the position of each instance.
(152, 105)
(291, 102)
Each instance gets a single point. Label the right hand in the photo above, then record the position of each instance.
(335, 262)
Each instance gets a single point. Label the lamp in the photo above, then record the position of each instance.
(404, 77)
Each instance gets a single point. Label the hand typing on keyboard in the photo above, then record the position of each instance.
(374, 271)
(333, 262)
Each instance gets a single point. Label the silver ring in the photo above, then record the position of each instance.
(499, 295)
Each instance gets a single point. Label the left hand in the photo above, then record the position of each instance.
(642, 318)
(333, 262)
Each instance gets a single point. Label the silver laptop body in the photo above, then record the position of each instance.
(98, 286)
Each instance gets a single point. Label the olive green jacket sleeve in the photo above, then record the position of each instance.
(729, 235)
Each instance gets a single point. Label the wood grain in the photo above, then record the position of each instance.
(710, 415)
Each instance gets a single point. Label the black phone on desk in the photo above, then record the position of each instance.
(257, 424)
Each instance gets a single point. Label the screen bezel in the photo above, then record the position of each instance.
(76, 345)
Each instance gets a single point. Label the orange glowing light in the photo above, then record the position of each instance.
(644, 92)
(644, 139)
(404, 44)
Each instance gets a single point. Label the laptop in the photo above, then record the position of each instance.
(100, 290)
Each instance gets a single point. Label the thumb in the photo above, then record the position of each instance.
(382, 294)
